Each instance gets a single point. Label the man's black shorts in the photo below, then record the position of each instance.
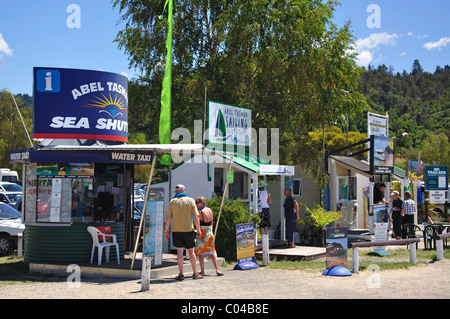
(184, 240)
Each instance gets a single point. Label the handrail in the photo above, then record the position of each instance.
(442, 236)
(386, 243)
(409, 241)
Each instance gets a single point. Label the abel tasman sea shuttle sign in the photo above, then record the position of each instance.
(229, 125)
(80, 104)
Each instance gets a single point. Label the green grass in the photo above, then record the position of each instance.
(12, 271)
(398, 260)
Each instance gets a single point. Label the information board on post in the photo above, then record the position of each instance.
(436, 178)
(153, 226)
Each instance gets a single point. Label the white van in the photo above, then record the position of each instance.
(7, 175)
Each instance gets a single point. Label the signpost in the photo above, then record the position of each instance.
(229, 125)
(436, 178)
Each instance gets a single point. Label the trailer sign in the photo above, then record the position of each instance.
(436, 178)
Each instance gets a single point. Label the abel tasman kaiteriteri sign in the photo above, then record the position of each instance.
(229, 125)
(80, 104)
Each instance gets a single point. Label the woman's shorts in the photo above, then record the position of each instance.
(183, 240)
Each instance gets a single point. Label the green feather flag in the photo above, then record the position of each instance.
(166, 93)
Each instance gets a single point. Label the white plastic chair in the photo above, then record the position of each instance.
(104, 244)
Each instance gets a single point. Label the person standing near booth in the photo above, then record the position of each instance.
(183, 214)
(264, 202)
(291, 213)
(397, 204)
(408, 210)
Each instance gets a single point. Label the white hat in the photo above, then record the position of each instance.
(180, 186)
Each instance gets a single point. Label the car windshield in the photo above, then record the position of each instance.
(12, 187)
(7, 212)
(139, 205)
(13, 198)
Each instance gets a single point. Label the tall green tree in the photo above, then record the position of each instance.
(284, 59)
(12, 133)
(437, 150)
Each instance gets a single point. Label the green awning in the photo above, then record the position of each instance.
(248, 161)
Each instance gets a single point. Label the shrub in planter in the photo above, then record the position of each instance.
(234, 212)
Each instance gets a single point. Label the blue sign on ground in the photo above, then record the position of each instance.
(80, 104)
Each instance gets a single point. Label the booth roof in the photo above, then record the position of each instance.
(353, 163)
(98, 152)
(157, 148)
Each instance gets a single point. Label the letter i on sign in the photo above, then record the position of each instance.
(48, 81)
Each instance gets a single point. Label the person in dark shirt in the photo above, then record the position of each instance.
(378, 194)
(397, 204)
(291, 213)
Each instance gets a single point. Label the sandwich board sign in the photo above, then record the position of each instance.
(245, 245)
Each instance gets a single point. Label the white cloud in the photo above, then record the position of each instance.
(438, 44)
(366, 47)
(4, 47)
(403, 53)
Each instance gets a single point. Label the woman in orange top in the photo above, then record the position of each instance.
(205, 243)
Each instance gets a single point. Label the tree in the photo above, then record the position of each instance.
(13, 134)
(286, 60)
(437, 150)
(416, 67)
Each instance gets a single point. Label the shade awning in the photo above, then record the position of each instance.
(247, 161)
(353, 164)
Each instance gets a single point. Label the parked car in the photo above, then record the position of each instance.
(10, 198)
(10, 226)
(138, 208)
(10, 187)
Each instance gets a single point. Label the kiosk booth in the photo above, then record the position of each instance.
(81, 172)
(70, 187)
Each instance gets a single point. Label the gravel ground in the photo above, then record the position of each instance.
(424, 281)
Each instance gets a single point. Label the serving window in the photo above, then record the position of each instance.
(64, 193)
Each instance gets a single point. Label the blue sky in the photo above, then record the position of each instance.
(36, 33)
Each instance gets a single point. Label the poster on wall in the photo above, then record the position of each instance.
(79, 104)
(245, 245)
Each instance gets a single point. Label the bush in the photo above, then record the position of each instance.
(234, 212)
(320, 218)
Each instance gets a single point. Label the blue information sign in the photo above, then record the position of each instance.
(80, 104)
(436, 178)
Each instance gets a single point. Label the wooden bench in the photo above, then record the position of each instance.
(356, 245)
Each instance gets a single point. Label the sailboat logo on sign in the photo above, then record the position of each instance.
(220, 130)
